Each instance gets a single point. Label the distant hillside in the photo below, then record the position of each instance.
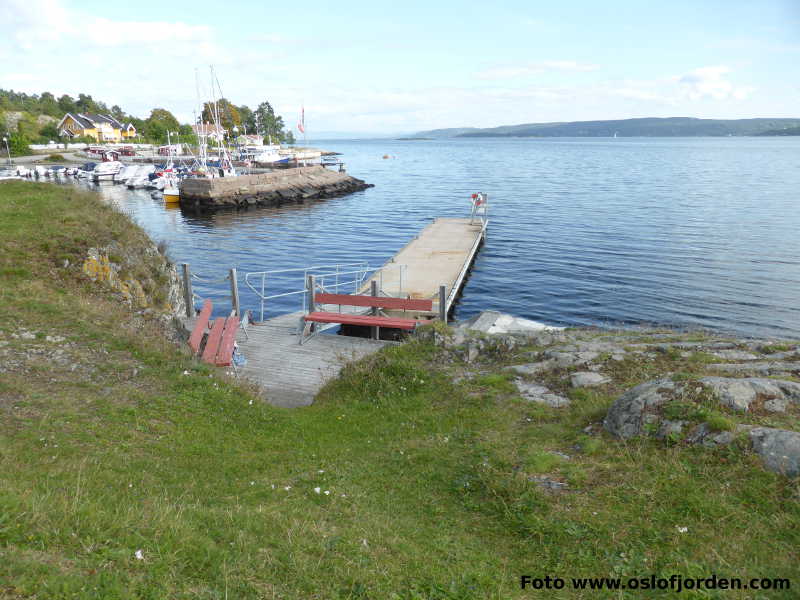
(785, 131)
(647, 127)
(445, 133)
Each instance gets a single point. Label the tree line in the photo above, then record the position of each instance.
(31, 128)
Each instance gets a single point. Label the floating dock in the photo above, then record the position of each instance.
(434, 265)
(441, 255)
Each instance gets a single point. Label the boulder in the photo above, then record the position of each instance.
(739, 394)
(492, 321)
(778, 448)
(538, 393)
(587, 379)
(635, 408)
(532, 368)
(735, 355)
(571, 359)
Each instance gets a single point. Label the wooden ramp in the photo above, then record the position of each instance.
(440, 255)
(290, 374)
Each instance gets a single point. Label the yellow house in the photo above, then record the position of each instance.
(103, 128)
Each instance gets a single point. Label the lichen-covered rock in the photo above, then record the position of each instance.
(587, 379)
(778, 448)
(739, 394)
(629, 414)
(540, 394)
(532, 368)
(734, 354)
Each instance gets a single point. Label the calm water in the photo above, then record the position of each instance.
(683, 232)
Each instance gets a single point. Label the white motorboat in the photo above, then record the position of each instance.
(23, 171)
(126, 173)
(40, 171)
(86, 170)
(105, 171)
(142, 177)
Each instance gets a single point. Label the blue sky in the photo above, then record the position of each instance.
(388, 67)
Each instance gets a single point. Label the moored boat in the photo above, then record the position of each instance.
(105, 171)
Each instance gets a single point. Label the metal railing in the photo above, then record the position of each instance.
(330, 277)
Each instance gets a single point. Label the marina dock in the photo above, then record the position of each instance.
(433, 266)
(441, 255)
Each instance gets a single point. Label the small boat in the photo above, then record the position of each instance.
(85, 170)
(40, 171)
(126, 173)
(105, 171)
(170, 191)
(141, 178)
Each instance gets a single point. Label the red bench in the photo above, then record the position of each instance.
(220, 339)
(373, 320)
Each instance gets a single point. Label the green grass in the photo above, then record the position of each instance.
(430, 483)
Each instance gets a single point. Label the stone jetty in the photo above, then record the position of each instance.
(267, 189)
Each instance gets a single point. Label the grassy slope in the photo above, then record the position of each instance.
(428, 497)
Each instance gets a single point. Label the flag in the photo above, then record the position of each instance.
(301, 124)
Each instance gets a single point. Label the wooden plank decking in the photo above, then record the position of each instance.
(291, 374)
(440, 255)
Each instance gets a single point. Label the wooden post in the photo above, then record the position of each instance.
(234, 292)
(311, 284)
(443, 303)
(373, 291)
(188, 296)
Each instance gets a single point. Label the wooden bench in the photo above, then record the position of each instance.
(218, 349)
(374, 320)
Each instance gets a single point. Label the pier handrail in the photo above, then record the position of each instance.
(320, 271)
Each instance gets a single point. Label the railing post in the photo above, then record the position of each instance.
(311, 286)
(234, 292)
(443, 304)
(373, 291)
(188, 296)
(263, 281)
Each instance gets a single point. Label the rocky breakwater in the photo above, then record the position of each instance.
(267, 189)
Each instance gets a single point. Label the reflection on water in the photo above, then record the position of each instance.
(696, 232)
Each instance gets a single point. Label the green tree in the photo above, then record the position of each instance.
(159, 123)
(86, 104)
(270, 124)
(246, 115)
(18, 144)
(48, 132)
(67, 104)
(228, 114)
(118, 114)
(48, 105)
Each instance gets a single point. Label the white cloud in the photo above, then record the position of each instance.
(514, 71)
(712, 82)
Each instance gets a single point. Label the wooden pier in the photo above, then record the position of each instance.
(434, 265)
(441, 255)
(289, 374)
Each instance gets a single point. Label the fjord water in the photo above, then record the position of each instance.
(695, 232)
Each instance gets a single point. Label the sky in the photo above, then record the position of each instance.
(383, 67)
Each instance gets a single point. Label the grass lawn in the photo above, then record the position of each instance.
(396, 483)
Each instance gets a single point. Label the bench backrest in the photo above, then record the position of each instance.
(200, 326)
(374, 301)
